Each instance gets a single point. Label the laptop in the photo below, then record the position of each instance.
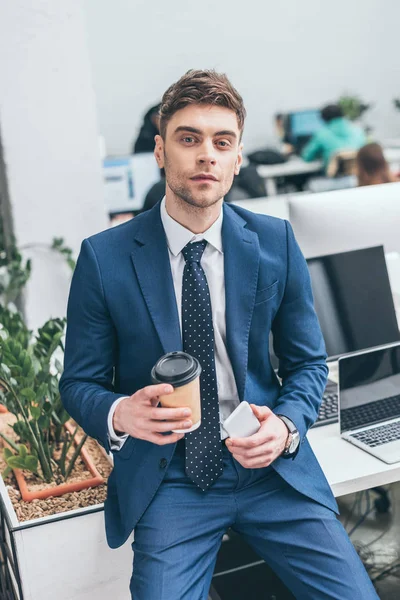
(341, 283)
(369, 401)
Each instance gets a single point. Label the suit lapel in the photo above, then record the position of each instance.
(241, 263)
(151, 262)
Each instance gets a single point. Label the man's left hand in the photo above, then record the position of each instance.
(262, 448)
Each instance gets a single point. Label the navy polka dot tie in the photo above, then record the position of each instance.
(203, 448)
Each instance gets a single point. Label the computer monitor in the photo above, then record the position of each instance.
(353, 300)
(300, 126)
(127, 180)
(305, 122)
(349, 219)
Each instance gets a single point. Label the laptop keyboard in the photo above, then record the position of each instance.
(384, 434)
(380, 410)
(328, 411)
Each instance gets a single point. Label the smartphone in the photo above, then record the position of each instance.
(242, 422)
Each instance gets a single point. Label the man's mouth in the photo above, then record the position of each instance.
(204, 177)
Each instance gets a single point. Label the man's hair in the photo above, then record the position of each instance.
(201, 87)
(330, 112)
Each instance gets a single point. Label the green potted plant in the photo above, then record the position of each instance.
(66, 532)
(29, 374)
(352, 106)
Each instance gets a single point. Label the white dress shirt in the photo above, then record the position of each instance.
(212, 262)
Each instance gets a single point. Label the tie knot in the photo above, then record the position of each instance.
(194, 251)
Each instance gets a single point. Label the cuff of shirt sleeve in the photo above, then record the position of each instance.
(116, 441)
(278, 415)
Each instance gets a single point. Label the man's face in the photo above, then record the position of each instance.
(201, 153)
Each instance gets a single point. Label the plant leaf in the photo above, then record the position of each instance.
(41, 392)
(5, 370)
(6, 472)
(28, 393)
(47, 408)
(31, 463)
(23, 451)
(35, 412)
(15, 462)
(43, 422)
(7, 453)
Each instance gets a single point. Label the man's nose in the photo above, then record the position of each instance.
(207, 155)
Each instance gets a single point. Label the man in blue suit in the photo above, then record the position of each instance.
(213, 280)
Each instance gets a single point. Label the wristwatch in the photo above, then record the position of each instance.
(293, 439)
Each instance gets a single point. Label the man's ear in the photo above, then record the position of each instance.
(159, 151)
(239, 160)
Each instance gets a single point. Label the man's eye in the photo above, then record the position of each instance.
(188, 140)
(223, 143)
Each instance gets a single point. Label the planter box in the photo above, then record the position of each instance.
(64, 556)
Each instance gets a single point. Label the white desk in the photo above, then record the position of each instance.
(294, 166)
(297, 166)
(392, 155)
(347, 468)
(392, 142)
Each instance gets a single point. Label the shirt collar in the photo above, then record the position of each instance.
(178, 236)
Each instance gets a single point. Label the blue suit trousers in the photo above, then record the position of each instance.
(178, 537)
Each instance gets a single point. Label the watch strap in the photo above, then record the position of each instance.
(288, 443)
(293, 432)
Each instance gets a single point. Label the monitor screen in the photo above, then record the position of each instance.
(305, 123)
(369, 386)
(353, 300)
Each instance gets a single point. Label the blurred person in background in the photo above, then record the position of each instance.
(150, 128)
(372, 167)
(338, 133)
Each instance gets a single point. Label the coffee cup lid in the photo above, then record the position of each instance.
(176, 368)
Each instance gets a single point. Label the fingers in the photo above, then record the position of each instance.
(143, 419)
(255, 463)
(153, 391)
(252, 453)
(170, 414)
(166, 419)
(163, 440)
(246, 443)
(255, 458)
(162, 426)
(261, 412)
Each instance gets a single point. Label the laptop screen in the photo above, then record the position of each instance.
(369, 387)
(353, 300)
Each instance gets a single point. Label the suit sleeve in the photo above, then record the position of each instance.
(86, 385)
(298, 344)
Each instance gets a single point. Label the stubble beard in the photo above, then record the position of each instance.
(184, 194)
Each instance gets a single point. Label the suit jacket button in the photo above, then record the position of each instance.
(163, 463)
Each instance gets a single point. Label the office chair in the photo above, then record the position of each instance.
(342, 163)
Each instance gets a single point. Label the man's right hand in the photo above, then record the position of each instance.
(140, 417)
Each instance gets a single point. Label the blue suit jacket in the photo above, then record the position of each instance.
(122, 316)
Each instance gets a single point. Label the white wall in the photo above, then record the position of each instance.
(281, 56)
(48, 122)
(49, 135)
